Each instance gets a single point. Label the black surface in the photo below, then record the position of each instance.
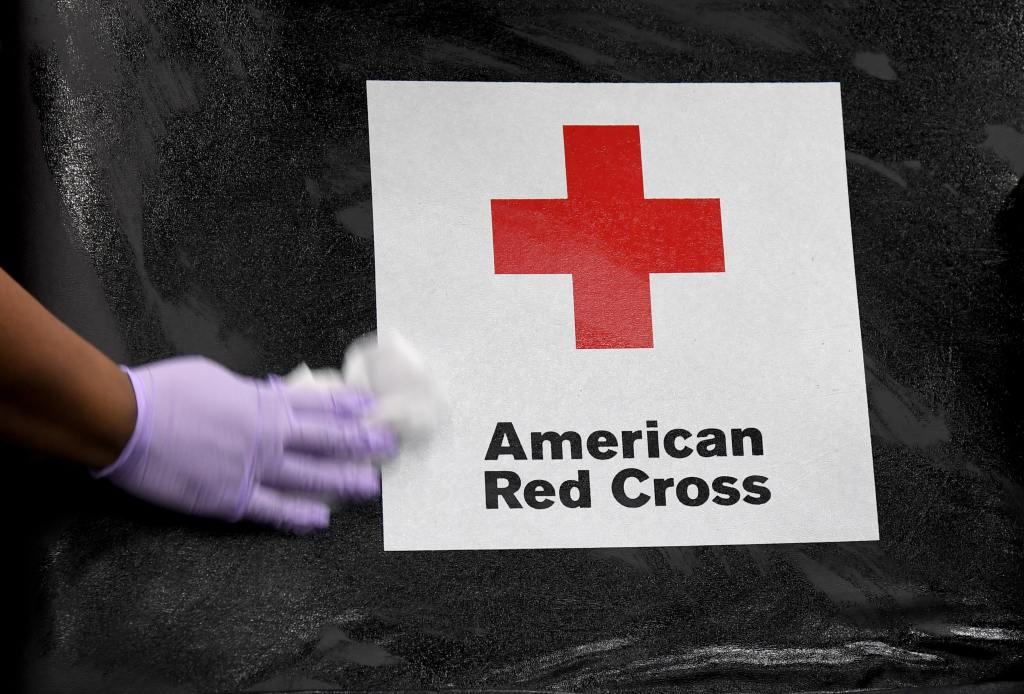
(195, 178)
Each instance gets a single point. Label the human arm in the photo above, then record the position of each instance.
(58, 394)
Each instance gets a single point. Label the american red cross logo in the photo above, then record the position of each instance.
(608, 236)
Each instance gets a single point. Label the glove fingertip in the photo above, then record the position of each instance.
(285, 512)
(315, 517)
(353, 401)
(371, 485)
(381, 441)
(356, 483)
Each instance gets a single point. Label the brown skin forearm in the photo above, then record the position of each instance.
(58, 394)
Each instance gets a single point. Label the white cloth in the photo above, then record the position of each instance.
(408, 398)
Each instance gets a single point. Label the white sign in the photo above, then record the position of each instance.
(641, 300)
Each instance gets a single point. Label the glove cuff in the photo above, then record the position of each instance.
(140, 434)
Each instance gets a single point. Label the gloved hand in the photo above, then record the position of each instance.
(210, 442)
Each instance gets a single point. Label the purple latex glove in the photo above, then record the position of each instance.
(210, 442)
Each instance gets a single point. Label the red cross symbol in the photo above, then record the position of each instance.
(608, 236)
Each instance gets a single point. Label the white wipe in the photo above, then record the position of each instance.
(409, 400)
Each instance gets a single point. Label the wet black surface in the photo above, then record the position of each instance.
(196, 180)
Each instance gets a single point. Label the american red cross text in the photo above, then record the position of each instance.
(608, 236)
